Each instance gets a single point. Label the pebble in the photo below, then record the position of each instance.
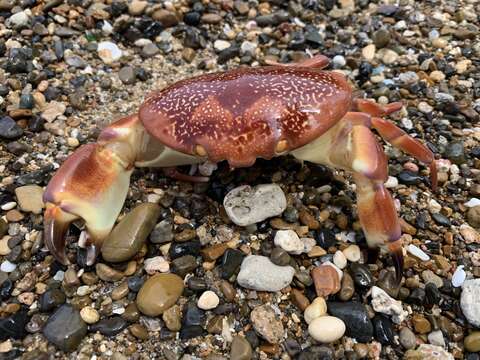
(361, 275)
(326, 280)
(472, 342)
(267, 324)
(110, 326)
(289, 241)
(430, 276)
(50, 299)
(317, 308)
(127, 75)
(173, 318)
(139, 331)
(259, 273)
(459, 276)
(417, 252)
(469, 301)
(340, 260)
(355, 317)
(279, 257)
(65, 328)
(436, 338)
(352, 253)
(347, 287)
(13, 326)
(89, 315)
(162, 233)
(7, 266)
(326, 329)
(9, 128)
(407, 338)
(383, 303)
(383, 329)
(29, 198)
(246, 205)
(129, 235)
(53, 110)
(428, 352)
(108, 52)
(421, 324)
(208, 300)
(157, 263)
(106, 273)
(240, 349)
(159, 293)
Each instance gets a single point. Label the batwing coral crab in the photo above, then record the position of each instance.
(238, 116)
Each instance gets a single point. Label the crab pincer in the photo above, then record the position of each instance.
(238, 116)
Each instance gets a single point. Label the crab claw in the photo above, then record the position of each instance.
(91, 185)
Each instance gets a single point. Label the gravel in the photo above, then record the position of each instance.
(68, 69)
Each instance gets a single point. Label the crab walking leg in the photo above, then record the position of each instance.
(400, 139)
(351, 145)
(374, 109)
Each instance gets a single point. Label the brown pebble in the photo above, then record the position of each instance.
(131, 313)
(421, 324)
(89, 278)
(270, 349)
(173, 318)
(14, 216)
(139, 331)
(348, 287)
(308, 219)
(215, 325)
(299, 299)
(326, 280)
(106, 273)
(213, 252)
(185, 235)
(120, 291)
(70, 278)
(228, 290)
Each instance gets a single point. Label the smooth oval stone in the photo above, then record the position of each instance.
(65, 328)
(231, 261)
(407, 338)
(348, 288)
(241, 349)
(361, 275)
(472, 342)
(246, 205)
(326, 329)
(259, 273)
(355, 316)
(130, 234)
(383, 329)
(159, 293)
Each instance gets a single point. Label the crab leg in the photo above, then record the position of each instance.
(92, 185)
(351, 145)
(400, 139)
(374, 109)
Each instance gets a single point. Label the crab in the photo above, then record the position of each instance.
(238, 116)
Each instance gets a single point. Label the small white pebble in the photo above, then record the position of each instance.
(157, 263)
(9, 205)
(352, 253)
(472, 202)
(317, 308)
(7, 266)
(208, 300)
(340, 260)
(391, 182)
(459, 277)
(59, 275)
(419, 253)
